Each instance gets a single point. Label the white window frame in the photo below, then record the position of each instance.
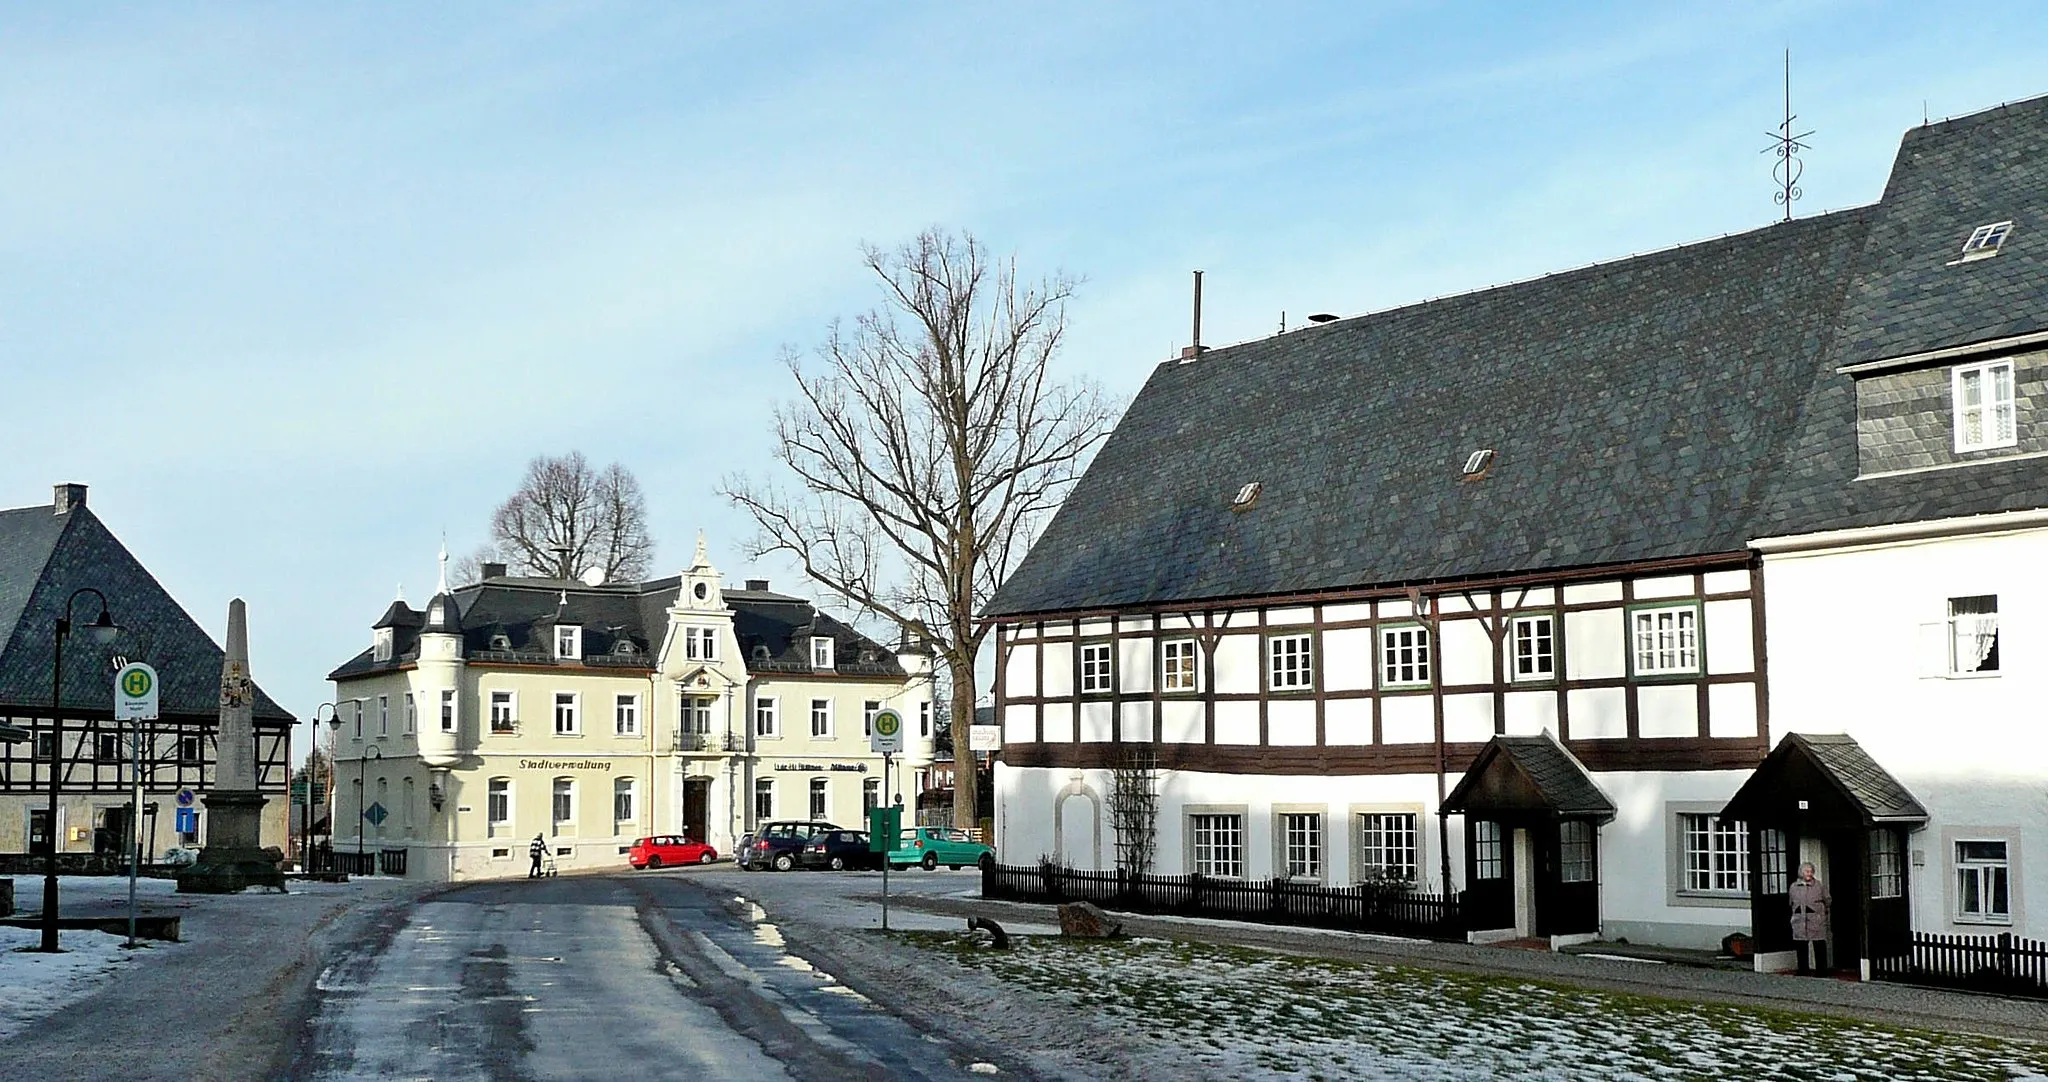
(626, 715)
(383, 716)
(1986, 240)
(562, 823)
(764, 787)
(1965, 632)
(510, 717)
(1714, 855)
(824, 715)
(1290, 662)
(1996, 421)
(1216, 844)
(1985, 874)
(1887, 864)
(574, 717)
(924, 719)
(1180, 667)
(1301, 844)
(868, 709)
(1489, 851)
(451, 711)
(1578, 851)
(1406, 656)
(497, 807)
(1390, 842)
(628, 789)
(1098, 668)
(1542, 652)
(412, 714)
(870, 796)
(700, 643)
(821, 798)
(568, 642)
(1657, 649)
(767, 717)
(821, 652)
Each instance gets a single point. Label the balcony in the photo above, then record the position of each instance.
(708, 743)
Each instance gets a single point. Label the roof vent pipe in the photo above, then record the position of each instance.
(1197, 339)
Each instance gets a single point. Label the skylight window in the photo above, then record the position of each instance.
(1246, 497)
(1478, 462)
(1986, 239)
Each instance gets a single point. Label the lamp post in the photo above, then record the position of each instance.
(333, 756)
(103, 630)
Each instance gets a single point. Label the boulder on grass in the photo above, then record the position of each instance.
(1084, 920)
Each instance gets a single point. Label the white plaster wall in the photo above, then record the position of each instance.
(1094, 628)
(1059, 723)
(1664, 586)
(1465, 652)
(1237, 664)
(1594, 644)
(1407, 719)
(1727, 582)
(1137, 722)
(1291, 722)
(1337, 614)
(1531, 712)
(1731, 710)
(1844, 636)
(1347, 721)
(1098, 722)
(1020, 672)
(1591, 592)
(1667, 710)
(1134, 665)
(1059, 668)
(1290, 616)
(1731, 637)
(1636, 860)
(1468, 718)
(1181, 721)
(1237, 723)
(1348, 659)
(1598, 713)
(1020, 724)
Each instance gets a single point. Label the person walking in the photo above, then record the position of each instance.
(1811, 901)
(539, 849)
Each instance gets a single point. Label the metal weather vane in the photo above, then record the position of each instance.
(1787, 147)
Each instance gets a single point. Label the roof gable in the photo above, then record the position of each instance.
(1529, 774)
(1825, 781)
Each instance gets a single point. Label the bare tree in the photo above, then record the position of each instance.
(928, 441)
(567, 518)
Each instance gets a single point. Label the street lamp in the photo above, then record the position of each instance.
(334, 756)
(103, 630)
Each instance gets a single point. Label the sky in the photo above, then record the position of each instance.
(300, 289)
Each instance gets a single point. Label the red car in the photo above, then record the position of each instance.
(669, 849)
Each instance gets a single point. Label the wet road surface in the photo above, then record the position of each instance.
(647, 976)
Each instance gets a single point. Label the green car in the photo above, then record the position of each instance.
(933, 846)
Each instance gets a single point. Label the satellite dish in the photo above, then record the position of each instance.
(594, 577)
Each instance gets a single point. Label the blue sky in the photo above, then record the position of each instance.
(298, 288)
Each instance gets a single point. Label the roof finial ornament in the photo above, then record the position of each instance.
(443, 587)
(401, 593)
(1787, 147)
(703, 557)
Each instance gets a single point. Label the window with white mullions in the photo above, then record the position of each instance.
(1302, 844)
(1404, 655)
(1096, 675)
(1665, 640)
(498, 806)
(1887, 865)
(622, 800)
(1773, 862)
(1973, 634)
(1387, 847)
(1534, 648)
(1716, 855)
(448, 710)
(1575, 862)
(564, 806)
(1985, 406)
(1487, 862)
(1986, 239)
(818, 798)
(821, 718)
(766, 723)
(1288, 664)
(1177, 665)
(1218, 844)
(567, 722)
(1983, 883)
(504, 718)
(764, 799)
(626, 715)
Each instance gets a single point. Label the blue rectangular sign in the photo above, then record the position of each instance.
(188, 820)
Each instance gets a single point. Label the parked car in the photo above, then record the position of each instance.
(776, 844)
(669, 849)
(838, 849)
(933, 846)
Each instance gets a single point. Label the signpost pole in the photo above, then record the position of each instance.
(886, 757)
(135, 701)
(885, 823)
(134, 833)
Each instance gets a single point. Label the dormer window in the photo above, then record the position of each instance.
(821, 652)
(1985, 240)
(700, 643)
(501, 642)
(1984, 406)
(568, 642)
(380, 645)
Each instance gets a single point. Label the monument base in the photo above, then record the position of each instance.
(233, 859)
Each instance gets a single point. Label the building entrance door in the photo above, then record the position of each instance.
(116, 827)
(39, 832)
(696, 808)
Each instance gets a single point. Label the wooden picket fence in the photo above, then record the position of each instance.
(1987, 963)
(1376, 908)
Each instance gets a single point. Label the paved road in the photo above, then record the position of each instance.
(599, 977)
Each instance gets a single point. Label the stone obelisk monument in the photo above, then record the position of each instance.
(234, 857)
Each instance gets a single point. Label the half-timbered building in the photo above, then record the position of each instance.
(1501, 594)
(47, 554)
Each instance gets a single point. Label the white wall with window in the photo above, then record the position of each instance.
(1926, 644)
(767, 719)
(562, 813)
(568, 713)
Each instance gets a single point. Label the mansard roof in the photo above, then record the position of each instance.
(44, 557)
(511, 619)
(1674, 404)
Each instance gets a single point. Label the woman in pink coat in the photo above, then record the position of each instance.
(1810, 903)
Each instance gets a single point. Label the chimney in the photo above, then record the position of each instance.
(494, 570)
(759, 586)
(68, 497)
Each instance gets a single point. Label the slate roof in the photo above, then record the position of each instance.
(1871, 790)
(1560, 781)
(43, 558)
(513, 620)
(1679, 403)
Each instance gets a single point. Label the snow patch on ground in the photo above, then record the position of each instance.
(33, 984)
(1250, 1014)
